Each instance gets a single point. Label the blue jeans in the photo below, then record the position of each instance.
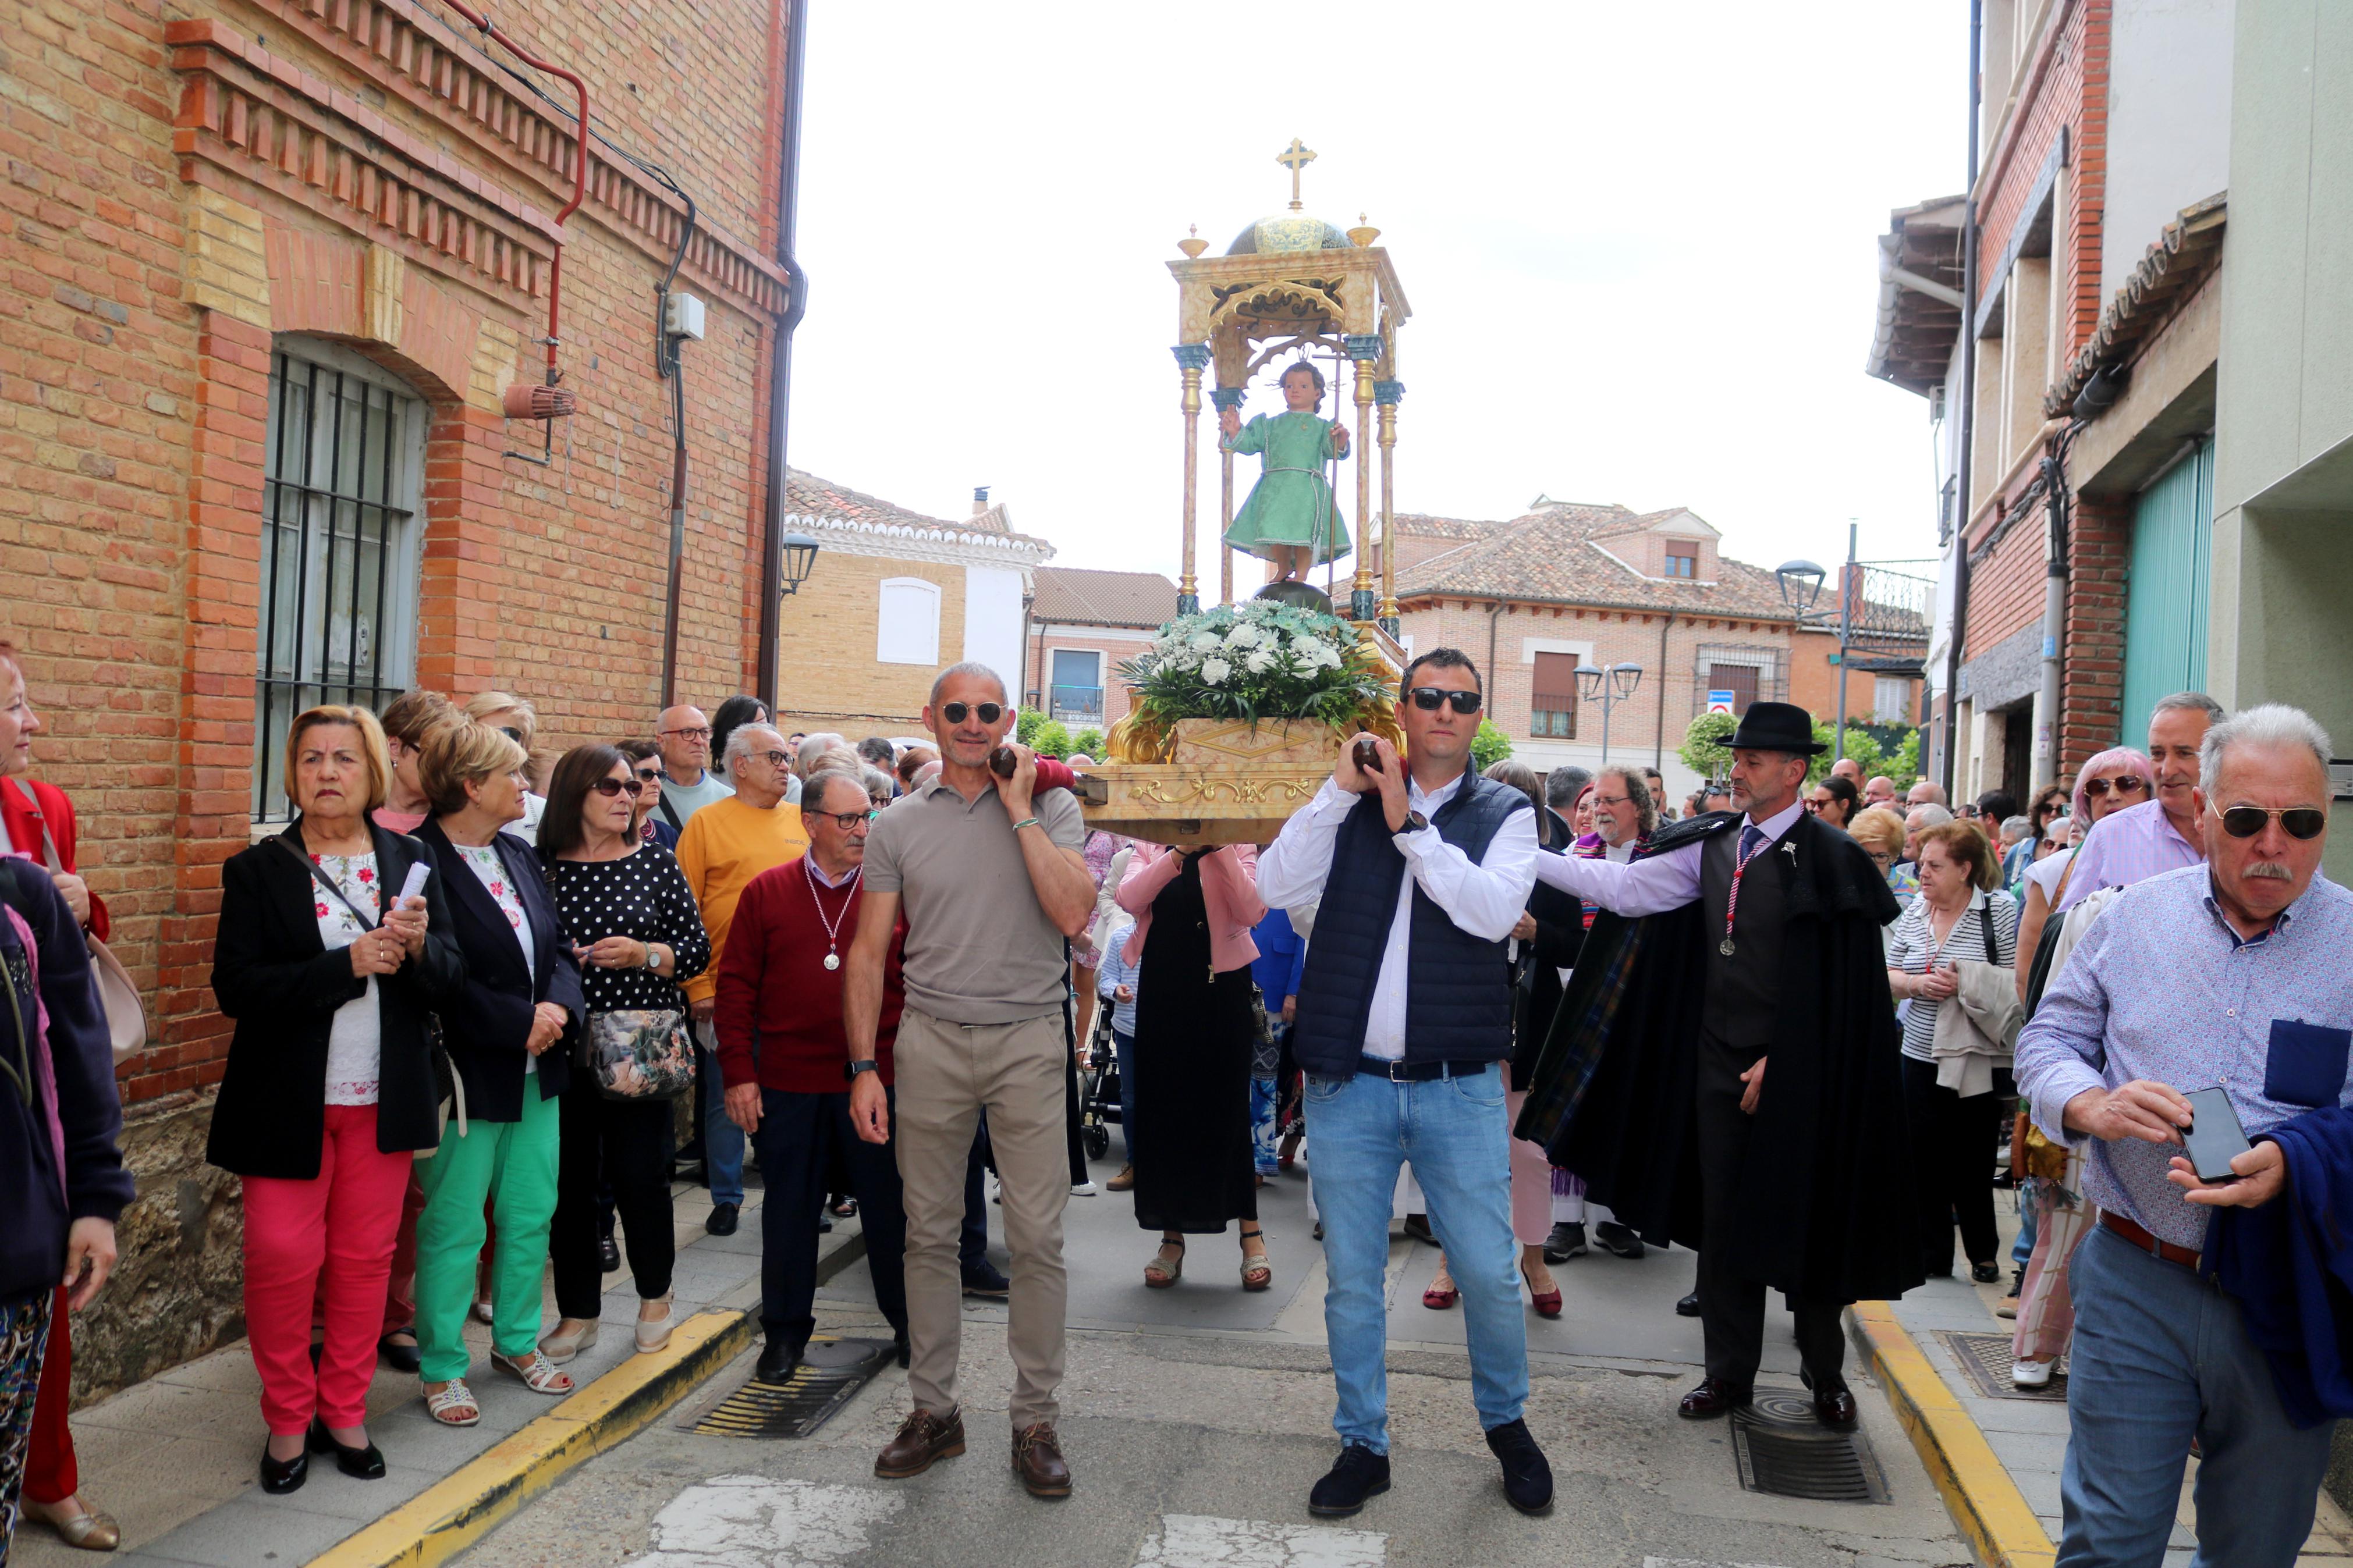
(723, 1141)
(2162, 1356)
(2022, 1248)
(1360, 1130)
(1124, 1046)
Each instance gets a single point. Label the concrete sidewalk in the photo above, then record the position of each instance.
(174, 1459)
(2024, 1440)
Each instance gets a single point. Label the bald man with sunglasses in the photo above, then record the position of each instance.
(2230, 974)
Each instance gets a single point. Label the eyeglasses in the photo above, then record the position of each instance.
(511, 733)
(1429, 698)
(1613, 800)
(774, 759)
(611, 788)
(954, 713)
(848, 820)
(2126, 783)
(701, 734)
(2300, 821)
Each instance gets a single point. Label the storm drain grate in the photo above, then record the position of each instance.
(1782, 1450)
(831, 1371)
(1984, 1360)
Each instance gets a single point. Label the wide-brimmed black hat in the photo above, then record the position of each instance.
(1775, 727)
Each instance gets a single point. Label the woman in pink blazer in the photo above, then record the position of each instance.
(1194, 909)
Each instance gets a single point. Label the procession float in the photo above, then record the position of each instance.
(1236, 713)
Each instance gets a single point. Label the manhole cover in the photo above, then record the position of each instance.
(829, 1373)
(1985, 1360)
(1782, 1450)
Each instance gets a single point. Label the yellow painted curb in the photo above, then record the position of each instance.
(460, 1510)
(1978, 1493)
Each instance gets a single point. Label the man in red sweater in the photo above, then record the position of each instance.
(779, 1017)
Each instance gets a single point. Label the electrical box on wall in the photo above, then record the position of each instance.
(683, 317)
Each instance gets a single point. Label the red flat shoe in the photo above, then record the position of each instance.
(1438, 1301)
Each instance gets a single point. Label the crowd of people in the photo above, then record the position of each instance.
(1534, 1016)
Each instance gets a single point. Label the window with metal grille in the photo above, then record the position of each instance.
(1740, 679)
(342, 462)
(1552, 697)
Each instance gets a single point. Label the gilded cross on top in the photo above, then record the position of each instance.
(1296, 157)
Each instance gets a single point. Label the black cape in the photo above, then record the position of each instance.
(1826, 1207)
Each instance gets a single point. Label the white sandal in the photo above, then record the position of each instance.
(453, 1395)
(653, 1334)
(561, 1348)
(535, 1371)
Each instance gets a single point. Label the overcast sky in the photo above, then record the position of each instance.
(1636, 240)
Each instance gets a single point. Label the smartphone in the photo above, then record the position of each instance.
(2213, 1138)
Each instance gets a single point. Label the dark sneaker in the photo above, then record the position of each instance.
(1527, 1478)
(922, 1438)
(984, 1280)
(1617, 1240)
(1567, 1241)
(720, 1221)
(1357, 1473)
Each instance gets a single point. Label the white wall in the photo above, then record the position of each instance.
(992, 621)
(2168, 122)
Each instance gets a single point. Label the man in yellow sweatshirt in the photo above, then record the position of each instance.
(726, 845)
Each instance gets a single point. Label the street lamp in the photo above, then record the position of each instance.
(1801, 584)
(1608, 688)
(800, 557)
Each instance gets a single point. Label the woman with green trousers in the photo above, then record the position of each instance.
(505, 1038)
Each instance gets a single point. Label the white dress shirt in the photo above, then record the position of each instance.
(1649, 886)
(1484, 897)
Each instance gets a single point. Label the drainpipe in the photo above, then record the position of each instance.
(1659, 742)
(2054, 606)
(780, 355)
(1492, 615)
(1968, 416)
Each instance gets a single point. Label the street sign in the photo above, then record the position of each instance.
(1720, 702)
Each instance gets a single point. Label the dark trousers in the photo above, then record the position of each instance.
(972, 1242)
(1953, 1143)
(800, 1138)
(1732, 1308)
(1071, 1105)
(623, 1142)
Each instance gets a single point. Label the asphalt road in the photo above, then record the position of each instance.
(1196, 1419)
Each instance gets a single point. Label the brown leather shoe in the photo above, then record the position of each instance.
(1711, 1398)
(1037, 1460)
(923, 1438)
(1124, 1181)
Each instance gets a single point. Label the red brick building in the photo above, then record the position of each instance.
(270, 266)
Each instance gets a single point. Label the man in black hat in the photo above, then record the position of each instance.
(1739, 939)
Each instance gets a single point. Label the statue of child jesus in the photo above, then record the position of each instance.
(1292, 518)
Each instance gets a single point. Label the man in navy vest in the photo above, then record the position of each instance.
(1722, 951)
(1403, 1022)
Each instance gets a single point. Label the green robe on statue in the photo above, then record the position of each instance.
(1291, 504)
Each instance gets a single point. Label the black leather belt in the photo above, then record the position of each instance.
(1419, 1072)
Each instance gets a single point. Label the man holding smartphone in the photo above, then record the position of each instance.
(2228, 974)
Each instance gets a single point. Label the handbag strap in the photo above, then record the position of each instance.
(49, 841)
(320, 876)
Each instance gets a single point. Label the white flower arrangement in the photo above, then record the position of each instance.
(1257, 659)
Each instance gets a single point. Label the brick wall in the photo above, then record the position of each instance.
(1116, 644)
(830, 626)
(2071, 91)
(178, 195)
(2092, 679)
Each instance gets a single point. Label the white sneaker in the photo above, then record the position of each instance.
(1084, 1189)
(2032, 1373)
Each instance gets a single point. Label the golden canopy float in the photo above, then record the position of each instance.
(1198, 761)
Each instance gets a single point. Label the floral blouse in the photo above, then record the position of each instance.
(354, 1040)
(491, 872)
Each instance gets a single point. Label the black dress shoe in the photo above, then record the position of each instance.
(1984, 1273)
(984, 1280)
(778, 1359)
(720, 1221)
(1567, 1241)
(1527, 1478)
(1357, 1473)
(1417, 1225)
(608, 1255)
(1688, 1306)
(364, 1464)
(1833, 1401)
(905, 1351)
(400, 1358)
(1617, 1240)
(1711, 1398)
(279, 1477)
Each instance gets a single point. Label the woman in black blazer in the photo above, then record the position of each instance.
(506, 1036)
(332, 977)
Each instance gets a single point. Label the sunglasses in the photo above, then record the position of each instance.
(1429, 699)
(847, 820)
(511, 733)
(649, 780)
(611, 788)
(2299, 821)
(954, 713)
(2127, 784)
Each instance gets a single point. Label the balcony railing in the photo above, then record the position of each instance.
(1077, 705)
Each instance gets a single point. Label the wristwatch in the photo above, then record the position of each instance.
(1414, 821)
(653, 959)
(864, 1064)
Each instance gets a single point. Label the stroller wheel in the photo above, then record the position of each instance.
(1097, 1141)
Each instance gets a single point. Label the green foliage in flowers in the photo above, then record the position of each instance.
(1488, 746)
(1254, 660)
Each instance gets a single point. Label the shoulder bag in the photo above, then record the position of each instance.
(638, 1053)
(126, 1017)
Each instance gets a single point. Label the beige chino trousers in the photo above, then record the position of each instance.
(946, 1075)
